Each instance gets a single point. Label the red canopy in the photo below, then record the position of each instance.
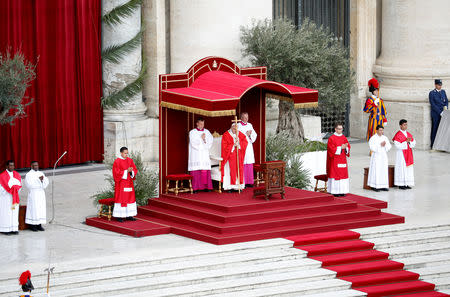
(217, 92)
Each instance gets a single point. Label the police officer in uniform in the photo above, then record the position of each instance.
(438, 101)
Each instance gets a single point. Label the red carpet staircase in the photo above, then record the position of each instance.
(368, 270)
(230, 217)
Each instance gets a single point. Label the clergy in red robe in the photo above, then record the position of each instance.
(124, 173)
(234, 142)
(404, 162)
(338, 149)
(10, 185)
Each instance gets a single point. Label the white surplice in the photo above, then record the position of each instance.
(378, 169)
(249, 153)
(199, 150)
(9, 216)
(36, 205)
(404, 175)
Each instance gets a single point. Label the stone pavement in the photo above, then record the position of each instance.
(70, 240)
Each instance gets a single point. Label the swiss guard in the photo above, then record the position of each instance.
(25, 282)
(375, 108)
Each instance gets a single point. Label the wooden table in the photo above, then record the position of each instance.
(273, 179)
(390, 173)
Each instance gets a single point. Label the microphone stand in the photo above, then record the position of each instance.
(53, 182)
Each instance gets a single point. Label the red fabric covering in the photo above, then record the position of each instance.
(107, 201)
(337, 164)
(322, 177)
(121, 196)
(336, 247)
(67, 113)
(231, 157)
(352, 257)
(14, 191)
(219, 90)
(181, 176)
(381, 278)
(400, 137)
(396, 288)
(366, 267)
(324, 237)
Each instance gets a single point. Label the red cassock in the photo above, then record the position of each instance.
(227, 155)
(14, 190)
(337, 164)
(122, 192)
(400, 137)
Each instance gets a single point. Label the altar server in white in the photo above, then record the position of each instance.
(404, 161)
(10, 185)
(245, 127)
(199, 163)
(36, 183)
(378, 178)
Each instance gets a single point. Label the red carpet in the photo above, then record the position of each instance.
(367, 269)
(231, 217)
(138, 228)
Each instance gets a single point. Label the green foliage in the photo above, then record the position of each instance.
(309, 56)
(283, 147)
(145, 185)
(115, 53)
(16, 75)
(117, 99)
(118, 13)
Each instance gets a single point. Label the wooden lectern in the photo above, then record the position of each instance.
(273, 179)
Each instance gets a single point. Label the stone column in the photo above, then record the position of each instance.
(415, 50)
(363, 45)
(128, 125)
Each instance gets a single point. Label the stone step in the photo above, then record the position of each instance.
(343, 293)
(411, 239)
(442, 283)
(302, 277)
(399, 229)
(416, 262)
(283, 259)
(432, 272)
(112, 263)
(434, 248)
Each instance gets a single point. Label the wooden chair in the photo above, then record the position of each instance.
(324, 178)
(176, 178)
(216, 160)
(106, 203)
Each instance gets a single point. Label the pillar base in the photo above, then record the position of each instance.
(139, 135)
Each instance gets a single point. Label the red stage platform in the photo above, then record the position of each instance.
(230, 218)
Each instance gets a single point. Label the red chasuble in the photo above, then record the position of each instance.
(14, 191)
(337, 164)
(124, 189)
(227, 155)
(400, 137)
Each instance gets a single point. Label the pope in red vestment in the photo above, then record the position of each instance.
(124, 173)
(338, 149)
(233, 142)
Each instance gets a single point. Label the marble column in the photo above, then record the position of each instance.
(363, 53)
(127, 125)
(415, 50)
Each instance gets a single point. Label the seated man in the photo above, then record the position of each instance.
(233, 143)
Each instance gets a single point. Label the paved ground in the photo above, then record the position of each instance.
(69, 239)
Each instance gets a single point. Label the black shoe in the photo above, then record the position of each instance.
(34, 228)
(229, 191)
(384, 189)
(131, 219)
(249, 186)
(120, 220)
(375, 189)
(14, 232)
(6, 233)
(402, 187)
(336, 195)
(343, 195)
(195, 191)
(408, 187)
(40, 228)
(207, 190)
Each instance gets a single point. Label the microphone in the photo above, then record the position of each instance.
(53, 181)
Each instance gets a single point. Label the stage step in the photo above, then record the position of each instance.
(396, 288)
(351, 257)
(424, 294)
(335, 247)
(365, 267)
(323, 237)
(381, 278)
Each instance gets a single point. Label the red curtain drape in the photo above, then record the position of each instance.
(64, 37)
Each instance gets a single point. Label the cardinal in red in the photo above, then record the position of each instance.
(233, 143)
(10, 185)
(124, 173)
(338, 149)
